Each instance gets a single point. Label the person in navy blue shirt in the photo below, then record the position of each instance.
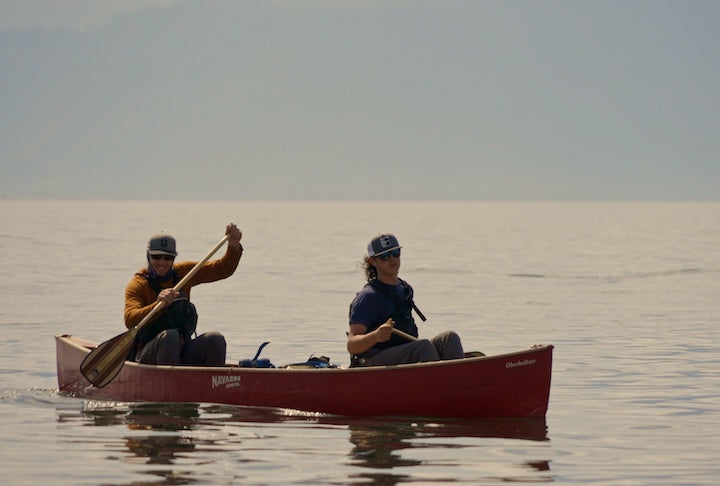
(383, 307)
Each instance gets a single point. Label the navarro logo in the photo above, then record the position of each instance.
(228, 381)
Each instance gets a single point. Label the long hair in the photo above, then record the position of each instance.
(370, 270)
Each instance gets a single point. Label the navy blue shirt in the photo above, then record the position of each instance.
(373, 308)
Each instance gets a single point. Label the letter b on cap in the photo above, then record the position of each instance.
(386, 242)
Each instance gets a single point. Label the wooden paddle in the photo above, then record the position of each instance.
(105, 361)
(404, 334)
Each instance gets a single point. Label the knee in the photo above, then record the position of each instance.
(453, 337)
(426, 351)
(448, 345)
(216, 340)
(215, 348)
(169, 337)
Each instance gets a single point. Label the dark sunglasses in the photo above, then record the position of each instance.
(393, 253)
(164, 257)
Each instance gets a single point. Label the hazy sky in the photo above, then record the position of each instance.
(396, 99)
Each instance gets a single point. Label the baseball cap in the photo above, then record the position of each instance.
(382, 244)
(161, 244)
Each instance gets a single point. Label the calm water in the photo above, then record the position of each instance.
(629, 293)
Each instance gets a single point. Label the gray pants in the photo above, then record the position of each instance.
(169, 348)
(443, 346)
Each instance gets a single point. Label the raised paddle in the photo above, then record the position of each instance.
(105, 361)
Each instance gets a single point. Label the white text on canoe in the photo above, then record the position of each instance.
(228, 381)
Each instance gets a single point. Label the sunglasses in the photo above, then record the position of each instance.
(163, 257)
(391, 253)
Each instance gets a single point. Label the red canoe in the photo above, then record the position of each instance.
(507, 385)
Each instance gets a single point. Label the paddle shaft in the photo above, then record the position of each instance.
(404, 335)
(105, 361)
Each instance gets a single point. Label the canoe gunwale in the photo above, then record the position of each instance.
(85, 345)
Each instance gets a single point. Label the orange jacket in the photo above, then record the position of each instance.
(140, 298)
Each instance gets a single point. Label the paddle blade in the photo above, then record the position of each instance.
(103, 363)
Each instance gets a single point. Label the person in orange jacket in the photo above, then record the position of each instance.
(168, 339)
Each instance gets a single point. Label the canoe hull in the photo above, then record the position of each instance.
(509, 385)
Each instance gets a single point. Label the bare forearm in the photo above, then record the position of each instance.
(359, 343)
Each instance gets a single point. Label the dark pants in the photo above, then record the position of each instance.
(443, 346)
(169, 348)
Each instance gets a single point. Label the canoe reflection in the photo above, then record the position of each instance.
(150, 416)
(381, 445)
(160, 449)
(376, 443)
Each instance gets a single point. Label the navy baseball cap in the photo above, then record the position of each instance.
(382, 244)
(161, 244)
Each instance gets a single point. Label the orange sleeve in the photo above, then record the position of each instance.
(212, 271)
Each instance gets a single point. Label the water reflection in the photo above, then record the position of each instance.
(159, 449)
(148, 416)
(184, 435)
(378, 445)
(164, 445)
